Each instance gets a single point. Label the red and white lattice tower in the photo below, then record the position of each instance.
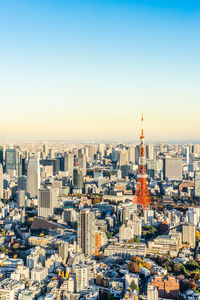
(143, 197)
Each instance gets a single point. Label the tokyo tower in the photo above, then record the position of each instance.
(143, 197)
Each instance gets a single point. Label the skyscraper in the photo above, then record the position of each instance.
(123, 157)
(142, 192)
(150, 151)
(137, 154)
(187, 151)
(21, 184)
(12, 162)
(82, 162)
(1, 155)
(47, 202)
(86, 232)
(131, 154)
(20, 197)
(69, 163)
(196, 149)
(81, 277)
(33, 177)
(101, 149)
(92, 151)
(1, 181)
(78, 179)
(197, 184)
(188, 233)
(44, 150)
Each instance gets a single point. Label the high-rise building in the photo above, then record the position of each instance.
(130, 228)
(78, 179)
(21, 184)
(56, 165)
(24, 166)
(101, 150)
(69, 163)
(115, 155)
(124, 170)
(45, 150)
(32, 260)
(196, 149)
(62, 163)
(142, 191)
(187, 151)
(172, 168)
(137, 225)
(150, 151)
(81, 277)
(92, 151)
(131, 154)
(47, 202)
(20, 197)
(63, 251)
(197, 184)
(193, 215)
(123, 157)
(125, 233)
(1, 155)
(188, 234)
(82, 162)
(1, 181)
(33, 177)
(137, 154)
(85, 232)
(161, 148)
(12, 162)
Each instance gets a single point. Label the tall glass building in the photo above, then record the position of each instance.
(12, 162)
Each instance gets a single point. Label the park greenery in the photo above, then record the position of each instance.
(187, 274)
(136, 263)
(134, 286)
(149, 232)
(109, 234)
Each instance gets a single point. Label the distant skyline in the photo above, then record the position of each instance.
(87, 69)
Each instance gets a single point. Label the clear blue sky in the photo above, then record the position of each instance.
(87, 69)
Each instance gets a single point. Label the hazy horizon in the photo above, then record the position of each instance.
(97, 141)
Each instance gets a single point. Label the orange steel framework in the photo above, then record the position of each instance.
(143, 197)
(97, 243)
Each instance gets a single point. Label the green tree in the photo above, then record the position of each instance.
(192, 265)
(134, 286)
(177, 267)
(136, 239)
(109, 235)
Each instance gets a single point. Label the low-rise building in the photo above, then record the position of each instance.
(152, 292)
(39, 273)
(167, 287)
(126, 250)
(165, 244)
(10, 289)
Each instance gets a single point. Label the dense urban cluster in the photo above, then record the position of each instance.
(71, 227)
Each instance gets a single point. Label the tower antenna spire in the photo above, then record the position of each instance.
(142, 131)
